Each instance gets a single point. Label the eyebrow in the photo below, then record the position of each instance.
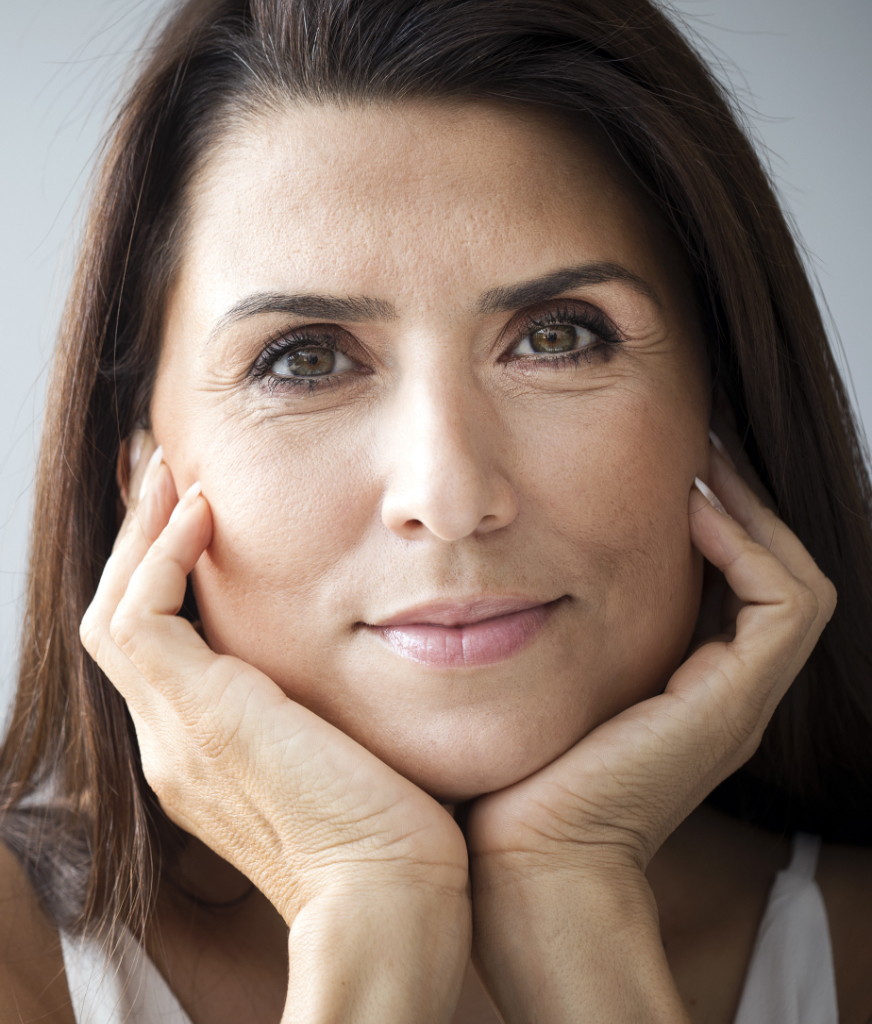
(364, 309)
(352, 309)
(507, 299)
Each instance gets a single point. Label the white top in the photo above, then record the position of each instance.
(790, 979)
(125, 988)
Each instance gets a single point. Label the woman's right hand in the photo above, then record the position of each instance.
(368, 871)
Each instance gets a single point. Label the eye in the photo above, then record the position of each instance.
(555, 339)
(310, 361)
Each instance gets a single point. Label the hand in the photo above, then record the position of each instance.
(625, 786)
(590, 821)
(328, 832)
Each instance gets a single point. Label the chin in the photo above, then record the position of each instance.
(456, 784)
(458, 761)
(460, 789)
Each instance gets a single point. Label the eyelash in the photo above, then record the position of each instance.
(288, 341)
(586, 317)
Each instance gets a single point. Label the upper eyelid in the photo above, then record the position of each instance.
(318, 331)
(564, 305)
(284, 340)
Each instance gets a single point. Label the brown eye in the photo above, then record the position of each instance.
(555, 339)
(311, 361)
(560, 338)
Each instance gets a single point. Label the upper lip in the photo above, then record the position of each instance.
(460, 613)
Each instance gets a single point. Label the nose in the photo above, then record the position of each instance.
(445, 475)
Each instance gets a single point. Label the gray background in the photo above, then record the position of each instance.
(801, 68)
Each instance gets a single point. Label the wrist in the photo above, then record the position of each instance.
(560, 943)
(291, 883)
(378, 953)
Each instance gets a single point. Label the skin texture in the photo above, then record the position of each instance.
(442, 461)
(436, 468)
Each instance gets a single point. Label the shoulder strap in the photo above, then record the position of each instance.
(33, 985)
(803, 862)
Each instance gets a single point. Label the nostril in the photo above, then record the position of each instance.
(409, 528)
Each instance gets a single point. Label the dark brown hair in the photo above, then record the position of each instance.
(73, 800)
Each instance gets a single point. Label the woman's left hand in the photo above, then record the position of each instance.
(564, 920)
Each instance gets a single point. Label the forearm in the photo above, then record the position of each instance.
(378, 960)
(572, 947)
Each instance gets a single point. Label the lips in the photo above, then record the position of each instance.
(466, 633)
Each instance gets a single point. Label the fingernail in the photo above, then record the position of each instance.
(721, 448)
(711, 497)
(150, 470)
(135, 448)
(186, 500)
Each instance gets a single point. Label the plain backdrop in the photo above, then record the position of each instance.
(801, 69)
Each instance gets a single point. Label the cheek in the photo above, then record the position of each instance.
(621, 515)
(286, 513)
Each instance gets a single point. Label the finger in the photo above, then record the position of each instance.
(145, 626)
(780, 623)
(107, 637)
(145, 500)
(753, 572)
(141, 528)
(714, 617)
(143, 524)
(735, 479)
(136, 495)
(763, 525)
(150, 497)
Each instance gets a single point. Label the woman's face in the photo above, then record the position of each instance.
(438, 369)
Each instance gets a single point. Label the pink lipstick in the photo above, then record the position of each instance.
(466, 633)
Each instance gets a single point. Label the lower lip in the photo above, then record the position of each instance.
(481, 643)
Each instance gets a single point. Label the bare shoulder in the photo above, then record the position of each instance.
(32, 982)
(845, 879)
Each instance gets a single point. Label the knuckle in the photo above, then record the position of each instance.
(123, 628)
(738, 729)
(165, 771)
(829, 597)
(217, 739)
(755, 736)
(749, 745)
(95, 638)
(742, 726)
(803, 605)
(163, 782)
(89, 632)
(217, 745)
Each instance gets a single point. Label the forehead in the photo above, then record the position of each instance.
(424, 198)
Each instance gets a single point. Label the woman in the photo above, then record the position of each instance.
(426, 311)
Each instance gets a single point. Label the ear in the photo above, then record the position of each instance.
(140, 443)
